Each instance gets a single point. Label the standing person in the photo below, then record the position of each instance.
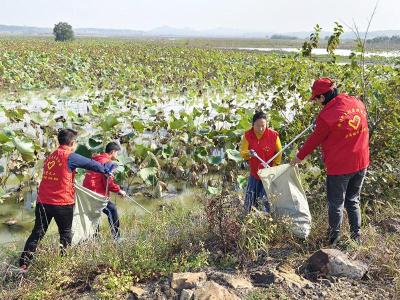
(264, 142)
(56, 195)
(342, 132)
(98, 183)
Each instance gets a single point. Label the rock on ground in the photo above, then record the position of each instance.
(213, 291)
(186, 295)
(233, 281)
(333, 262)
(188, 280)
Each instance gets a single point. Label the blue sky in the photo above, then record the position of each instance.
(252, 15)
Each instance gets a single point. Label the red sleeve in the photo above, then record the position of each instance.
(112, 186)
(319, 134)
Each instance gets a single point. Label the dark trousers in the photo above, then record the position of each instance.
(111, 211)
(344, 192)
(44, 213)
(255, 195)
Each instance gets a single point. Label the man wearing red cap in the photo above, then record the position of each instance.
(342, 132)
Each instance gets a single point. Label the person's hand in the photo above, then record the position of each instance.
(110, 168)
(122, 193)
(252, 153)
(295, 161)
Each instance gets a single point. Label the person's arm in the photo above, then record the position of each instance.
(112, 186)
(78, 161)
(278, 148)
(244, 149)
(319, 134)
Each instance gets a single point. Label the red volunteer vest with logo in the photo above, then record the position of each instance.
(265, 148)
(97, 182)
(57, 185)
(344, 135)
(346, 149)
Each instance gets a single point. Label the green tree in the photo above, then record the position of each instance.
(312, 43)
(63, 32)
(334, 40)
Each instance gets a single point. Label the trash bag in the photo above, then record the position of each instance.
(287, 197)
(87, 212)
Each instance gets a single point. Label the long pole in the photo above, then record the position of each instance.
(266, 163)
(288, 145)
(138, 204)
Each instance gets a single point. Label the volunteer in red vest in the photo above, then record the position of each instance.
(264, 142)
(56, 193)
(97, 182)
(342, 132)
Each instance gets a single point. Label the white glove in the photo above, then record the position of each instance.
(122, 193)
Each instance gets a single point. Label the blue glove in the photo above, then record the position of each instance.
(252, 153)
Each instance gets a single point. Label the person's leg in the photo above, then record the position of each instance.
(261, 196)
(336, 191)
(113, 219)
(42, 220)
(250, 194)
(352, 202)
(63, 215)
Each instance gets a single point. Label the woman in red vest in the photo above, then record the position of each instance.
(266, 143)
(56, 195)
(342, 132)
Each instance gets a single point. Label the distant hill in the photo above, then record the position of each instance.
(23, 30)
(167, 31)
(40, 31)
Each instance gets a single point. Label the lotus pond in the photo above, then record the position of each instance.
(178, 112)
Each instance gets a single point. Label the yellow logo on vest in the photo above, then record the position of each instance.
(355, 122)
(51, 164)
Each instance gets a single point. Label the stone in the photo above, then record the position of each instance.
(186, 294)
(137, 292)
(391, 225)
(169, 292)
(88, 297)
(326, 282)
(309, 286)
(333, 262)
(262, 278)
(288, 276)
(238, 282)
(233, 281)
(213, 291)
(188, 280)
(284, 275)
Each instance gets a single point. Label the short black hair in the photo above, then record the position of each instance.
(66, 136)
(259, 115)
(330, 95)
(112, 146)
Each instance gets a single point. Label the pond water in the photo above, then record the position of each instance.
(17, 218)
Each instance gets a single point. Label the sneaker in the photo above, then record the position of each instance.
(333, 241)
(23, 269)
(356, 238)
(119, 240)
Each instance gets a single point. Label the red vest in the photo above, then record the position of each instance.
(265, 148)
(57, 185)
(344, 136)
(96, 182)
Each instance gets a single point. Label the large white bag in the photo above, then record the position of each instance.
(87, 212)
(287, 197)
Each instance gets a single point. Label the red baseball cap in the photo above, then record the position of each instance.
(321, 86)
